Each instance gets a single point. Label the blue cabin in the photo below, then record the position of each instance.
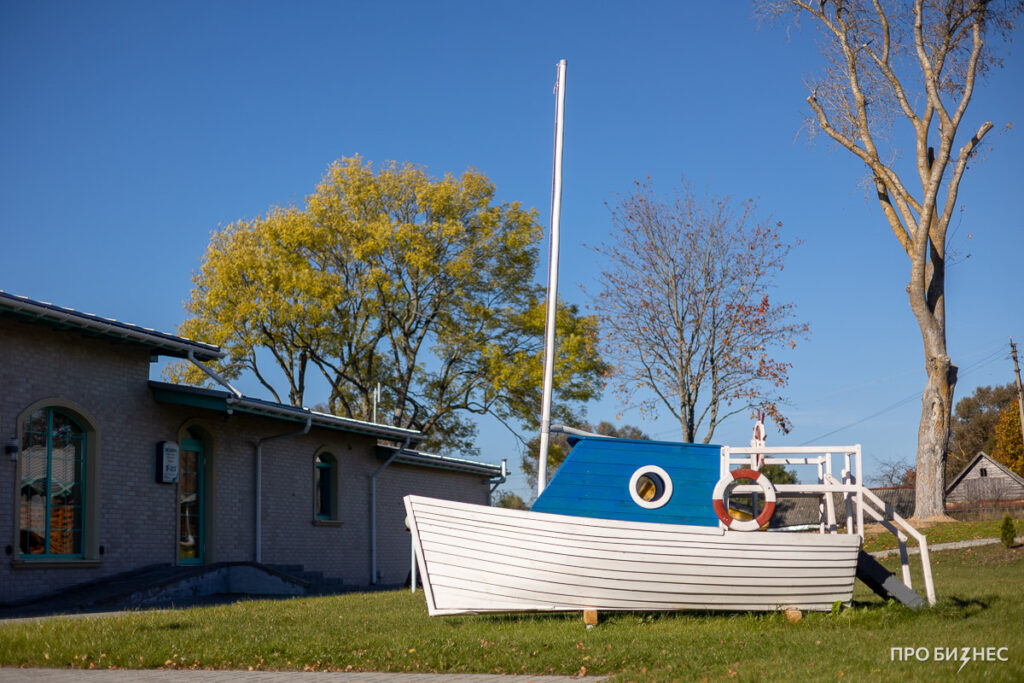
(636, 481)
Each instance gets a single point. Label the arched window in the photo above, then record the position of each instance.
(325, 489)
(193, 487)
(52, 468)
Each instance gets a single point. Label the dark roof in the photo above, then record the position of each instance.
(982, 454)
(60, 318)
(226, 402)
(441, 462)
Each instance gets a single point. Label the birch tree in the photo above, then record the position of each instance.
(918, 63)
(686, 308)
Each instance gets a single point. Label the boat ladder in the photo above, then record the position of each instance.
(857, 500)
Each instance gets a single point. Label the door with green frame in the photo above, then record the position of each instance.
(191, 503)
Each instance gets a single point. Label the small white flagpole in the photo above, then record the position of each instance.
(552, 308)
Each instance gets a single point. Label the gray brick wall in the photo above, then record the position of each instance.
(399, 480)
(136, 518)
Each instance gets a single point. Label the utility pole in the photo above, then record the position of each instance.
(1020, 392)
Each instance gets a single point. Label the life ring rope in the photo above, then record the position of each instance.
(718, 500)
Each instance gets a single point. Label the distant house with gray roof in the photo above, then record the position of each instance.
(985, 480)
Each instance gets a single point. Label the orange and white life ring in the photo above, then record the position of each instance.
(718, 501)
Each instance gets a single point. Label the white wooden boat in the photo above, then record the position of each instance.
(595, 541)
(476, 559)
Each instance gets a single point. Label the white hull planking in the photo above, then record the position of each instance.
(475, 558)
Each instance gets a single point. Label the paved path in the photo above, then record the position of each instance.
(168, 676)
(946, 546)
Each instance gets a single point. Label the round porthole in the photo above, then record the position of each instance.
(650, 487)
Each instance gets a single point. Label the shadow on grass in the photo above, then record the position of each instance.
(964, 608)
(162, 628)
(949, 606)
(515, 618)
(611, 616)
(69, 609)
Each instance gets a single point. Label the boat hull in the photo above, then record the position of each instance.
(477, 559)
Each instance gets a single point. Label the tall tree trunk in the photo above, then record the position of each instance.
(933, 431)
(868, 43)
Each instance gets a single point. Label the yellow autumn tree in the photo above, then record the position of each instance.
(1009, 449)
(425, 285)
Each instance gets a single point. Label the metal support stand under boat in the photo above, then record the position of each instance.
(412, 564)
(552, 308)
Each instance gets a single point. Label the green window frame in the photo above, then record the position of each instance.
(192, 502)
(325, 503)
(52, 472)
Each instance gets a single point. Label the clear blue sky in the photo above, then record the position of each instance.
(131, 130)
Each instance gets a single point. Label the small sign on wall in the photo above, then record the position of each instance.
(167, 455)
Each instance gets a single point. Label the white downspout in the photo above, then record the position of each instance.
(259, 482)
(498, 481)
(373, 511)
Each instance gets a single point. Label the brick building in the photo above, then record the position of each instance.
(105, 471)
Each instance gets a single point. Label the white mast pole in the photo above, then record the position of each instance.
(549, 327)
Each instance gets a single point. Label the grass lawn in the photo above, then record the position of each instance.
(980, 605)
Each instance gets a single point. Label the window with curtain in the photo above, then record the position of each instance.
(52, 469)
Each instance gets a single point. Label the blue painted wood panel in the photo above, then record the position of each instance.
(594, 481)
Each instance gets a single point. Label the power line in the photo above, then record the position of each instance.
(988, 359)
(883, 411)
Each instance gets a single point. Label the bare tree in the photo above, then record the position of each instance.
(921, 62)
(686, 312)
(893, 473)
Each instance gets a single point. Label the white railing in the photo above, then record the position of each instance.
(858, 500)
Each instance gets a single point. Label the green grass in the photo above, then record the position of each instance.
(980, 605)
(876, 538)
